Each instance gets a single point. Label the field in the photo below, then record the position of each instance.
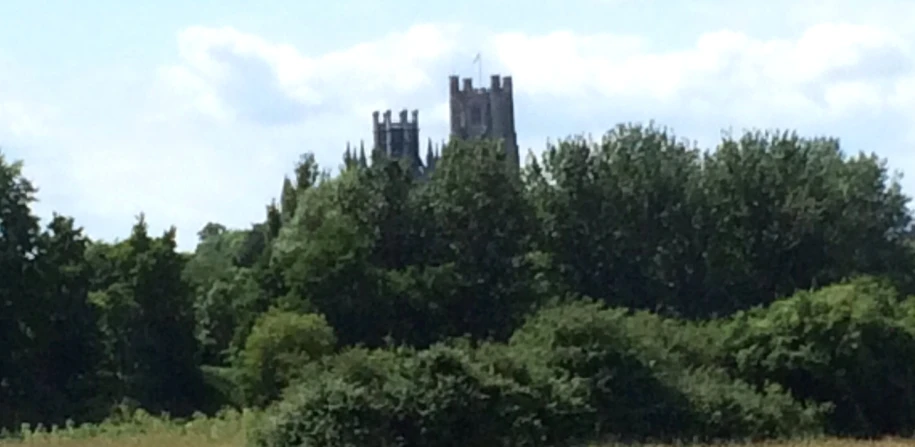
(227, 430)
(175, 439)
(163, 439)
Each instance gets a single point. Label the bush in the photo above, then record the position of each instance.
(727, 409)
(587, 342)
(574, 372)
(642, 382)
(222, 386)
(279, 346)
(673, 341)
(440, 396)
(846, 345)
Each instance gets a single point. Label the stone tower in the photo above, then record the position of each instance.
(485, 113)
(398, 139)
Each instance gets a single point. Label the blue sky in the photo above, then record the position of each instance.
(193, 111)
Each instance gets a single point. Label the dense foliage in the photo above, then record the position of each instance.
(630, 288)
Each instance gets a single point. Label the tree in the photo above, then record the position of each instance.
(849, 345)
(483, 226)
(66, 343)
(787, 213)
(18, 234)
(307, 172)
(288, 199)
(322, 256)
(642, 220)
(279, 346)
(210, 230)
(225, 313)
(149, 319)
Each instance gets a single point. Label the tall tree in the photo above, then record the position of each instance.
(483, 227)
(19, 232)
(66, 344)
(288, 199)
(623, 216)
(149, 321)
(642, 220)
(307, 172)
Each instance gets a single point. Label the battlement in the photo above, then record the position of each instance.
(397, 139)
(384, 121)
(497, 83)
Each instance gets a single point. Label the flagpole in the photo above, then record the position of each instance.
(478, 59)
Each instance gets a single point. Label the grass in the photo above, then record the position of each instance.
(174, 438)
(229, 429)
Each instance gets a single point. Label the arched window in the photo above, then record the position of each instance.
(476, 115)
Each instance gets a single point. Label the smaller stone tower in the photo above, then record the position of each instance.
(398, 139)
(485, 113)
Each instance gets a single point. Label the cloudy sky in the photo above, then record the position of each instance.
(192, 111)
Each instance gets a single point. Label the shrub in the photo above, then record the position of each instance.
(279, 346)
(573, 372)
(642, 379)
(440, 396)
(727, 409)
(675, 342)
(586, 342)
(848, 345)
(222, 386)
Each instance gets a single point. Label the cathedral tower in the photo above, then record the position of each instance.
(398, 139)
(485, 113)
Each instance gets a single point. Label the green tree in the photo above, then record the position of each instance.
(307, 172)
(323, 256)
(848, 345)
(623, 217)
(288, 199)
(278, 348)
(483, 228)
(18, 237)
(49, 342)
(642, 220)
(787, 213)
(149, 319)
(48, 337)
(66, 343)
(225, 288)
(225, 314)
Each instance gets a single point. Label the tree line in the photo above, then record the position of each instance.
(635, 287)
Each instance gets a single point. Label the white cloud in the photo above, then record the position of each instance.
(828, 71)
(209, 135)
(850, 80)
(233, 74)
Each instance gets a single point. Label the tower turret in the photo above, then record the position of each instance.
(398, 139)
(485, 113)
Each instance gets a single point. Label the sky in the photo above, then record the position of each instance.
(193, 111)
